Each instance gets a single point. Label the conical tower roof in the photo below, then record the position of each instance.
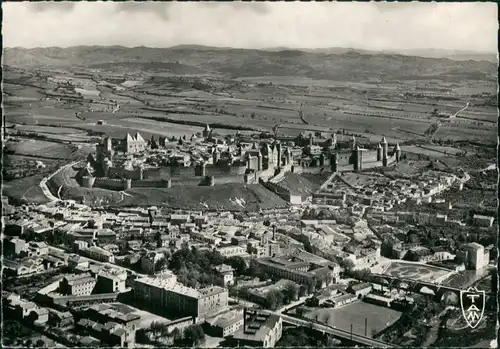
(384, 141)
(138, 137)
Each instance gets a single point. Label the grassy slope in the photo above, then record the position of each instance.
(253, 197)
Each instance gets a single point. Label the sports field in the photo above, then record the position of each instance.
(377, 317)
(416, 271)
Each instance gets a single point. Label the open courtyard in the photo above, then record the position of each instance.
(414, 271)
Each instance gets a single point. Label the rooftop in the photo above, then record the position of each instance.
(256, 327)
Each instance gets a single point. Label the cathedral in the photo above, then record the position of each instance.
(134, 144)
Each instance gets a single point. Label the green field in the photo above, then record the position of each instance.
(25, 190)
(378, 318)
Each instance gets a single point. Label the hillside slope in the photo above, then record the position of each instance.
(350, 65)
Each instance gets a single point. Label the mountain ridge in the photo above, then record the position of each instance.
(350, 64)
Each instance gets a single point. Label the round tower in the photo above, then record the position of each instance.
(278, 150)
(397, 152)
(88, 181)
(206, 131)
(169, 183)
(385, 148)
(311, 139)
(127, 183)
(358, 159)
(334, 162)
(210, 180)
(353, 140)
(322, 159)
(334, 139)
(249, 162)
(288, 155)
(379, 152)
(259, 161)
(216, 157)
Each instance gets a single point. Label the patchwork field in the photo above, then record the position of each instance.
(399, 110)
(415, 271)
(378, 318)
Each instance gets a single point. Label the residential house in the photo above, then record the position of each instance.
(225, 274)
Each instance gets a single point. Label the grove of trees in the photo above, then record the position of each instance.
(195, 268)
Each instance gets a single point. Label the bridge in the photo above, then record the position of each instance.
(336, 332)
(417, 285)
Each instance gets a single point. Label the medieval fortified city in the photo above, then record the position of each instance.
(249, 175)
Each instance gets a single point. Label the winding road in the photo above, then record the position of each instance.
(45, 188)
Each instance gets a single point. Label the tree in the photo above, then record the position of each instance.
(274, 299)
(253, 268)
(238, 264)
(300, 311)
(347, 264)
(290, 292)
(302, 290)
(311, 285)
(194, 335)
(176, 334)
(161, 265)
(39, 343)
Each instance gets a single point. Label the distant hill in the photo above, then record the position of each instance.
(336, 64)
(457, 55)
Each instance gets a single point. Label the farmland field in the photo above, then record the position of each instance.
(378, 318)
(48, 129)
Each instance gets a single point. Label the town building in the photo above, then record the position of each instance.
(99, 254)
(149, 261)
(259, 330)
(109, 281)
(226, 275)
(299, 270)
(361, 289)
(77, 285)
(483, 221)
(473, 255)
(165, 292)
(225, 324)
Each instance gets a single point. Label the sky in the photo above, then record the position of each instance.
(376, 26)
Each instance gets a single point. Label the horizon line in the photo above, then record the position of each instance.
(284, 48)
